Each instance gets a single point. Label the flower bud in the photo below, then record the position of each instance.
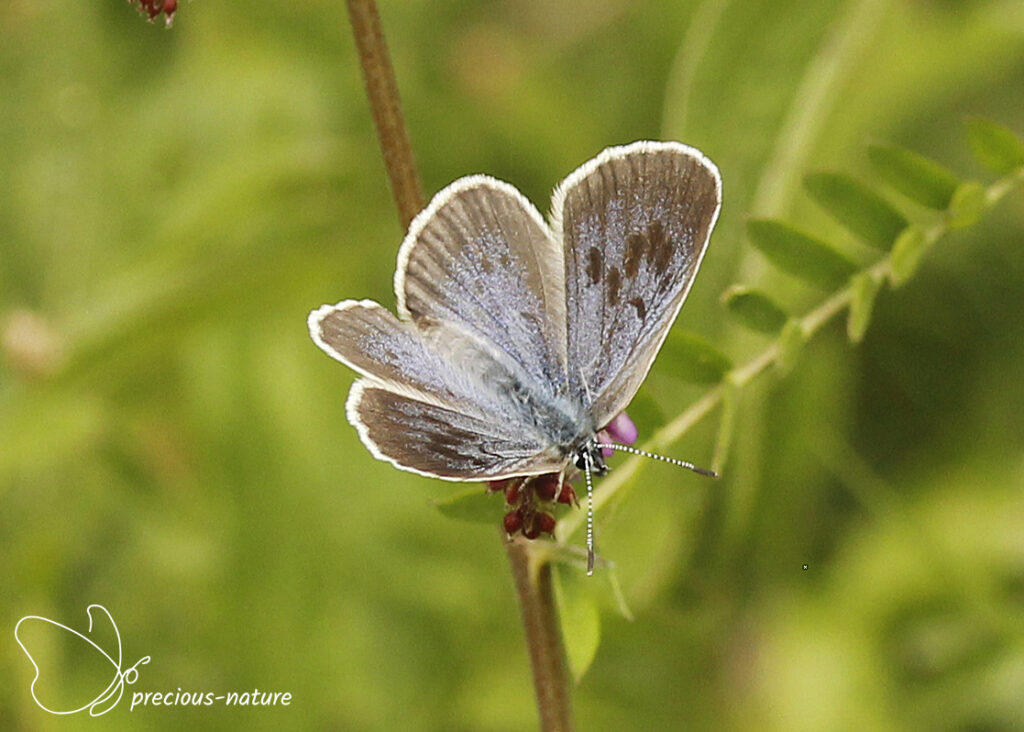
(513, 522)
(546, 487)
(567, 495)
(544, 522)
(622, 429)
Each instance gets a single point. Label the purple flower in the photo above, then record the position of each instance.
(621, 430)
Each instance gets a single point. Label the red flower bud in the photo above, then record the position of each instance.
(544, 522)
(567, 495)
(546, 487)
(513, 521)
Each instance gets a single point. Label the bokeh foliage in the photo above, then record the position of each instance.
(174, 447)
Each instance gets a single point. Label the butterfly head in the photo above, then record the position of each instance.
(589, 457)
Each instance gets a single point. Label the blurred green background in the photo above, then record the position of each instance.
(174, 447)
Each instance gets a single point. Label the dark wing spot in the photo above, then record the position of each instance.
(660, 252)
(655, 238)
(594, 261)
(641, 309)
(614, 281)
(636, 244)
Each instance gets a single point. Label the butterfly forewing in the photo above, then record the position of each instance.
(370, 339)
(635, 223)
(482, 257)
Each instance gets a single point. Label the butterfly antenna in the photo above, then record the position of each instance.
(590, 517)
(655, 456)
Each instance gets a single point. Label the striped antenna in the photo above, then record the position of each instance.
(590, 515)
(655, 456)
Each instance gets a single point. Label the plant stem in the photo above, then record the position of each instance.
(534, 585)
(532, 573)
(382, 92)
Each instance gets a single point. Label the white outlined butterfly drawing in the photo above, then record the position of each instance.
(109, 692)
(516, 341)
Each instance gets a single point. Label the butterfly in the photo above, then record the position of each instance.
(517, 340)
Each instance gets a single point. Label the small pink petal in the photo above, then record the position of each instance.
(605, 436)
(623, 430)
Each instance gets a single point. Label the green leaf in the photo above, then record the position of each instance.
(693, 359)
(800, 254)
(476, 506)
(754, 309)
(865, 290)
(791, 342)
(906, 254)
(995, 146)
(915, 176)
(579, 618)
(864, 213)
(967, 206)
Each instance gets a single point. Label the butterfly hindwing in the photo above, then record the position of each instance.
(635, 223)
(441, 441)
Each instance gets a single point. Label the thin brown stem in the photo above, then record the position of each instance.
(532, 574)
(382, 91)
(535, 587)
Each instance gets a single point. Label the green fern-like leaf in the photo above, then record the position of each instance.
(864, 213)
(995, 146)
(754, 309)
(800, 254)
(915, 176)
(906, 254)
(967, 206)
(693, 359)
(474, 506)
(865, 290)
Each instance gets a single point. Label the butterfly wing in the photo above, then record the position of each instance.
(481, 256)
(443, 441)
(635, 223)
(469, 382)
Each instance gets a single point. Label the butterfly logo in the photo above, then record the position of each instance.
(35, 627)
(517, 341)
